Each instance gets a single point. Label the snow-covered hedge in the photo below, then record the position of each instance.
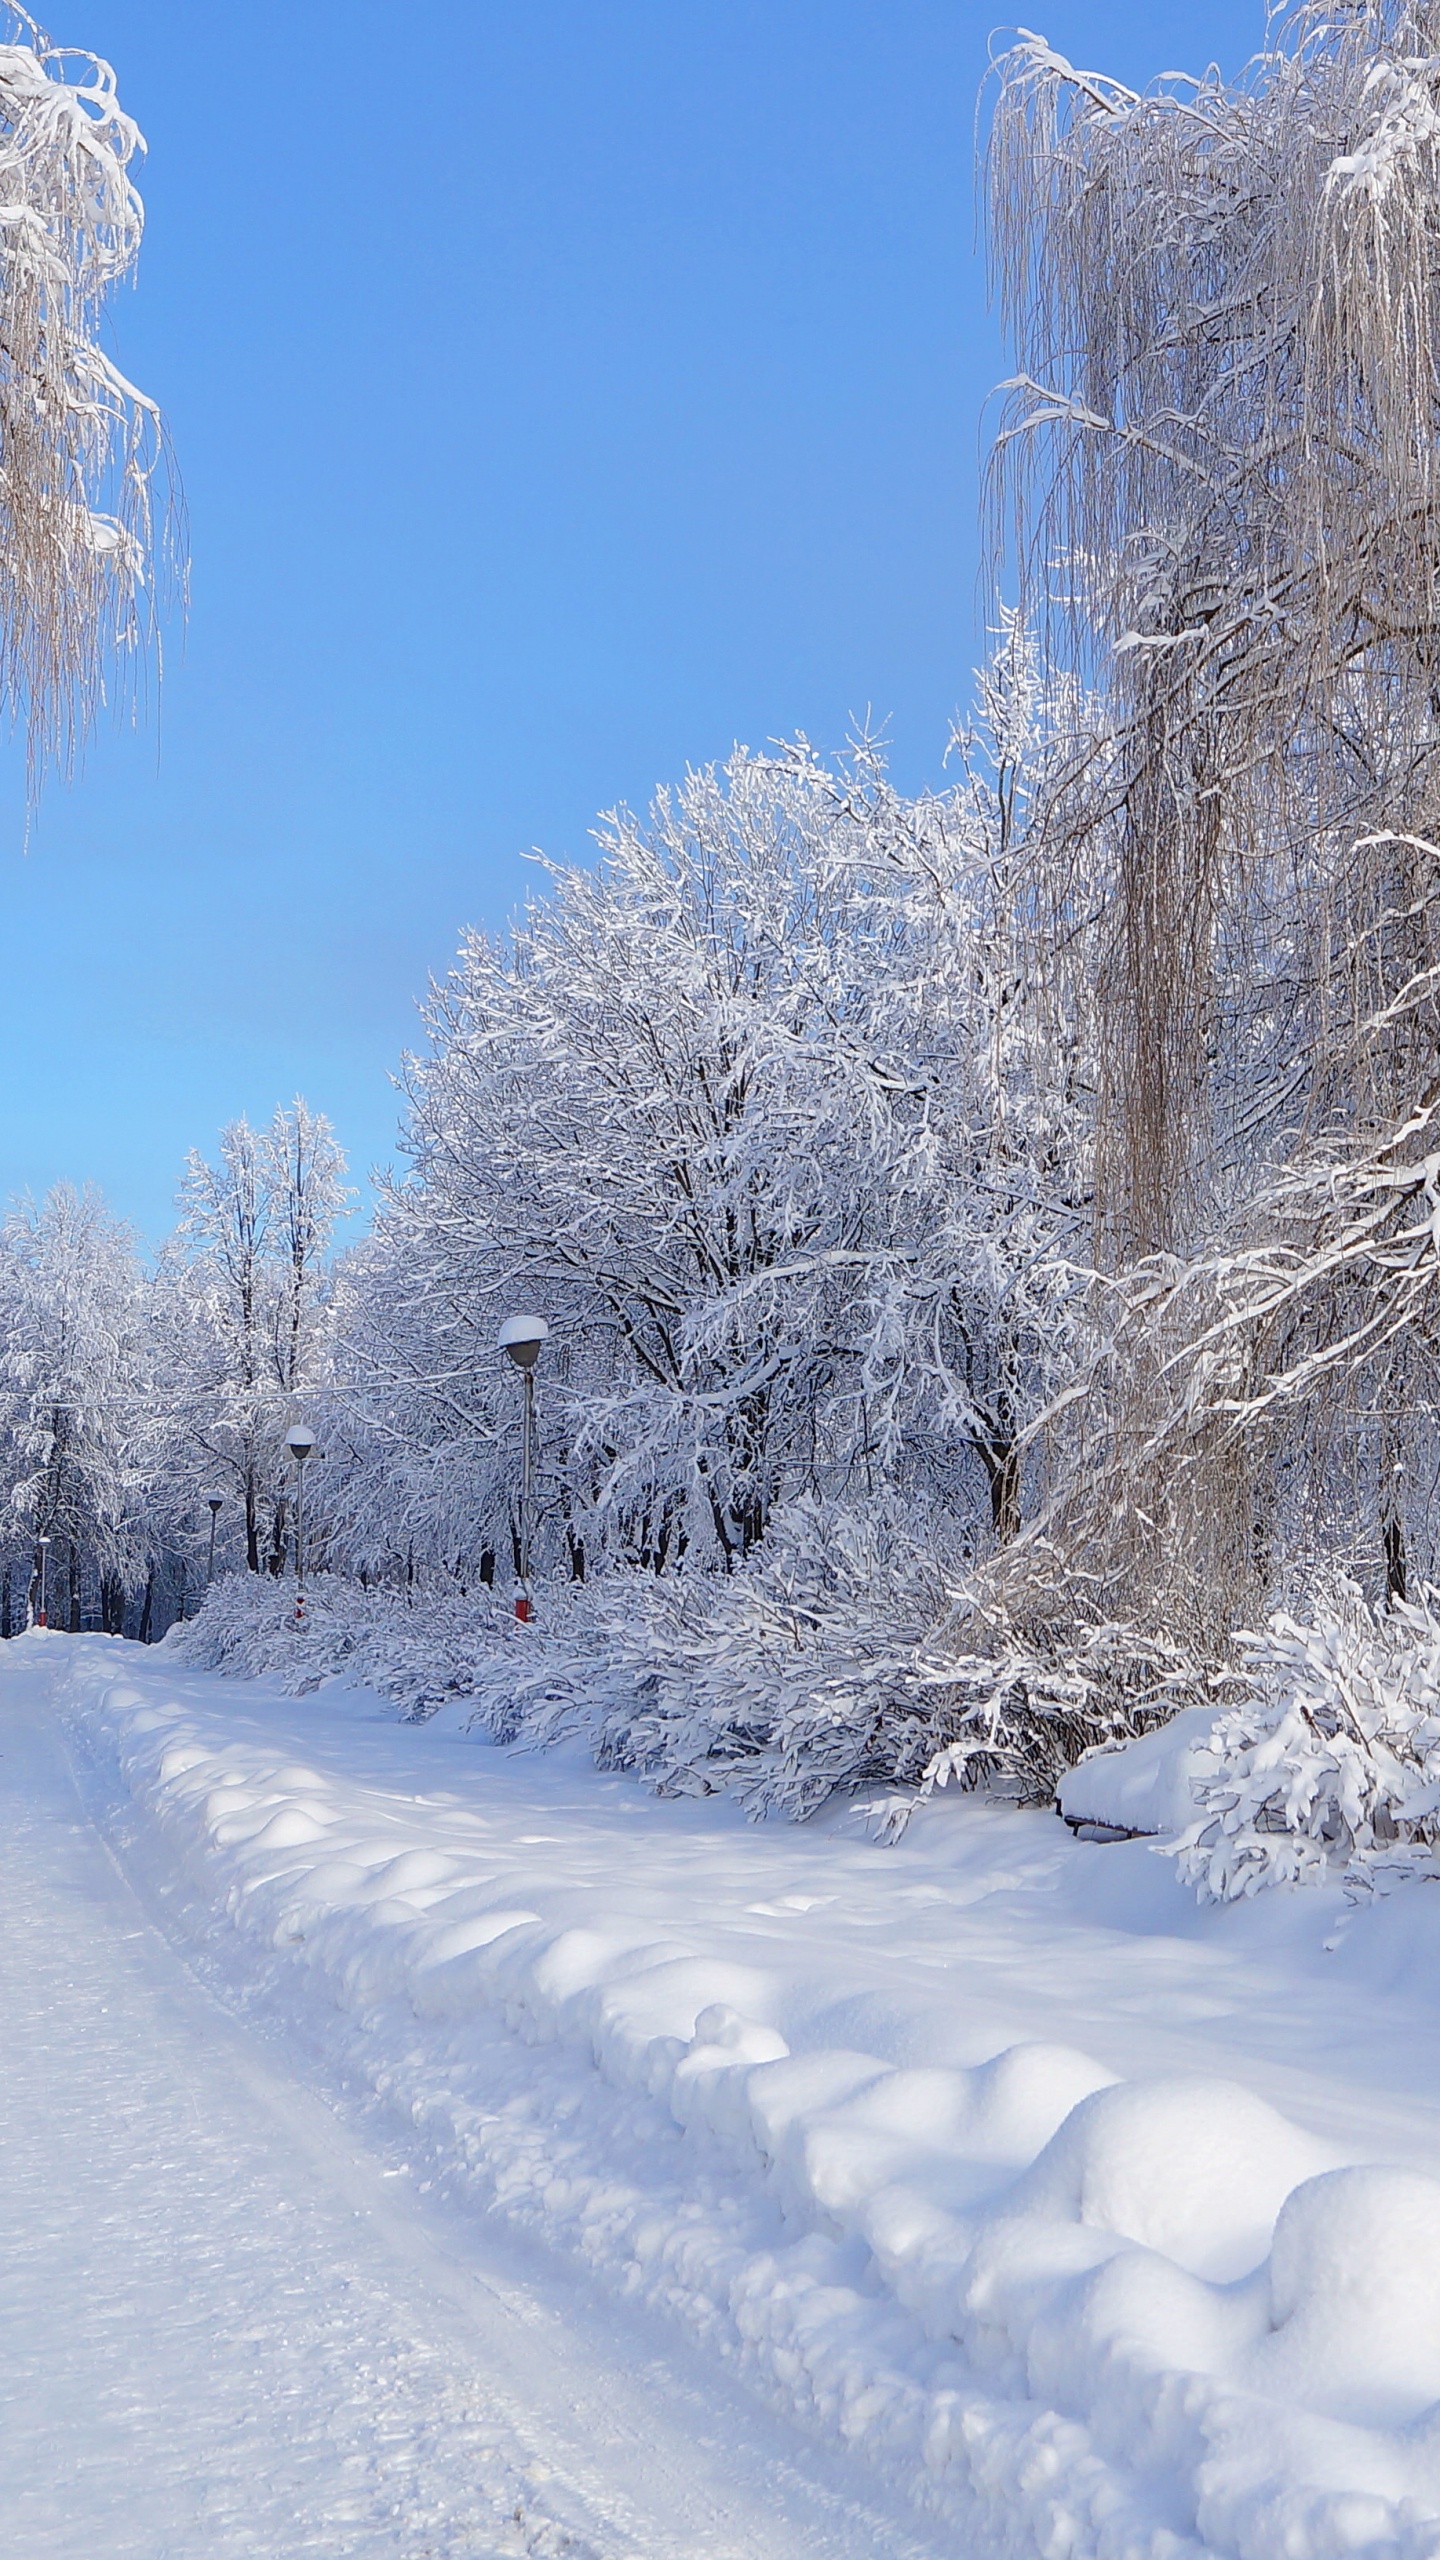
(423, 1648)
(784, 1682)
(824, 1665)
(779, 1684)
(1329, 1764)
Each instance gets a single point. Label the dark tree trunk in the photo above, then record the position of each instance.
(1002, 1465)
(1393, 1535)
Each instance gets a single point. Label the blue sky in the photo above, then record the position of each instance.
(562, 390)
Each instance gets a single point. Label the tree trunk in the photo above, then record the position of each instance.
(1394, 1540)
(1002, 1466)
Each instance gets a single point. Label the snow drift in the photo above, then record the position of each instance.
(1077, 2314)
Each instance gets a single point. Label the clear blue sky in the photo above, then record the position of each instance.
(562, 389)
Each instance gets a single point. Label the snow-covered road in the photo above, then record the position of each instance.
(226, 2326)
(415, 2146)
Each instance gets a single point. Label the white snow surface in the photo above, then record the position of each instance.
(1148, 1785)
(1062, 2216)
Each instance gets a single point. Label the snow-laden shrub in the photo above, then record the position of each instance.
(780, 1683)
(1016, 1713)
(422, 1648)
(822, 1667)
(1329, 1764)
(818, 1667)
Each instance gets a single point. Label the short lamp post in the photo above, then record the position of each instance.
(299, 1440)
(521, 1337)
(213, 1502)
(41, 1616)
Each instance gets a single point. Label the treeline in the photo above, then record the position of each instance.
(131, 1394)
(763, 1116)
(989, 1238)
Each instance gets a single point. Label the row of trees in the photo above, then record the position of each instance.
(1048, 1165)
(1053, 1158)
(765, 1113)
(130, 1394)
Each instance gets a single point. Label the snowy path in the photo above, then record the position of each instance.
(552, 2148)
(224, 2329)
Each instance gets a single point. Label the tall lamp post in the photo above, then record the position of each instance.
(41, 1616)
(213, 1502)
(521, 1337)
(299, 1440)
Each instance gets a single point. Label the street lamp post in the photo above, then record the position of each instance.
(299, 1440)
(41, 1616)
(521, 1337)
(213, 1501)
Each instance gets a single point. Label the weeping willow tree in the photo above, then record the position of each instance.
(1217, 477)
(81, 450)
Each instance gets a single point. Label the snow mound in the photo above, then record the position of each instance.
(1082, 2317)
(1144, 1786)
(1197, 2169)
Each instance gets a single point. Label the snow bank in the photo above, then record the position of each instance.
(1077, 2315)
(1148, 1785)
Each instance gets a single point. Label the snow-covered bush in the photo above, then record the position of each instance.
(782, 1682)
(809, 1671)
(778, 1684)
(1330, 1762)
(1014, 1714)
(823, 1666)
(423, 1648)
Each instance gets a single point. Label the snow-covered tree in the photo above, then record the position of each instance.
(74, 1396)
(80, 446)
(1225, 301)
(1217, 474)
(766, 1116)
(238, 1321)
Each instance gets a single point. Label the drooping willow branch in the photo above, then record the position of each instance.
(1218, 477)
(82, 451)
